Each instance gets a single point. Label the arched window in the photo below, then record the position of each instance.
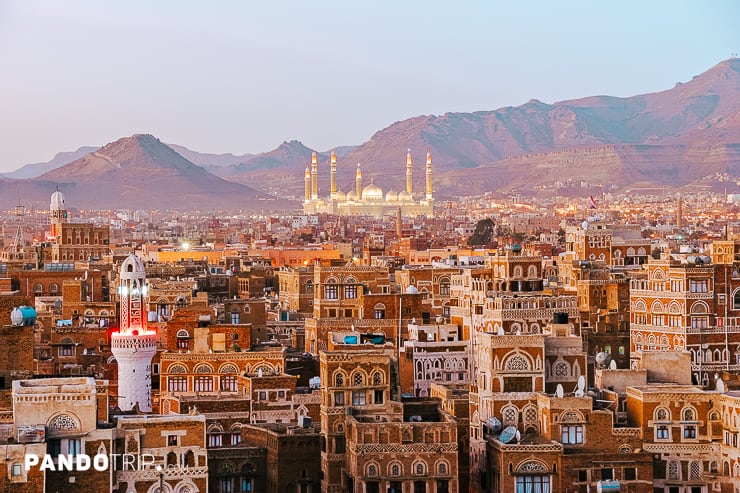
(338, 380)
(38, 289)
(53, 289)
(689, 414)
(673, 471)
(357, 379)
(695, 470)
(377, 378)
(736, 300)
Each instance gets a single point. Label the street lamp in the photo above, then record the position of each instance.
(161, 479)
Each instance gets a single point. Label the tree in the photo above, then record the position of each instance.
(483, 233)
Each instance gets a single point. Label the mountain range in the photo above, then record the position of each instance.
(685, 137)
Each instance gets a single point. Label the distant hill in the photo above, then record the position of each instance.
(36, 169)
(686, 136)
(138, 172)
(669, 137)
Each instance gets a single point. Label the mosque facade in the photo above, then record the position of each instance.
(367, 200)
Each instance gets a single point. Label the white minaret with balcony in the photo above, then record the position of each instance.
(134, 345)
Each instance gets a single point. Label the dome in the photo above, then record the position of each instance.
(412, 289)
(391, 196)
(404, 196)
(351, 195)
(372, 192)
(341, 195)
(132, 266)
(57, 201)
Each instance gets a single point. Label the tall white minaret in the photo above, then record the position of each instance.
(333, 176)
(314, 177)
(358, 182)
(409, 180)
(429, 175)
(133, 345)
(307, 179)
(58, 210)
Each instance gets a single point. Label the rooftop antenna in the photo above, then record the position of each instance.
(20, 211)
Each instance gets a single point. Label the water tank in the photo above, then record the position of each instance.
(23, 315)
(607, 485)
(314, 382)
(516, 248)
(152, 316)
(560, 318)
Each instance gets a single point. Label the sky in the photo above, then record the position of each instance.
(242, 77)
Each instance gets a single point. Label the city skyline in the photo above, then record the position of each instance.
(246, 78)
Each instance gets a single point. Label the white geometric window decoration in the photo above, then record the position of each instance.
(177, 369)
(229, 368)
(661, 414)
(531, 466)
(203, 368)
(625, 449)
(688, 414)
(517, 363)
(64, 422)
(695, 470)
(673, 470)
(571, 417)
(357, 378)
(561, 369)
(510, 415)
(530, 415)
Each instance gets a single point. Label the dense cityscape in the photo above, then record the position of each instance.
(503, 343)
(369, 247)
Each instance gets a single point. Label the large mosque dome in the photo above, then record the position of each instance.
(372, 192)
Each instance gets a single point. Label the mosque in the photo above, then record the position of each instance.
(368, 200)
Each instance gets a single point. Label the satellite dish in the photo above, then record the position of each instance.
(613, 365)
(500, 331)
(559, 390)
(518, 436)
(508, 434)
(581, 386)
(720, 386)
(584, 224)
(603, 359)
(494, 424)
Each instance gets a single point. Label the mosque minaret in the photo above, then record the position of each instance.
(134, 344)
(367, 199)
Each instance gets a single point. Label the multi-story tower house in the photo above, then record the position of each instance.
(681, 425)
(297, 289)
(352, 377)
(674, 308)
(433, 353)
(432, 282)
(133, 345)
(619, 246)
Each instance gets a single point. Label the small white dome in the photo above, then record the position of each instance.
(404, 196)
(391, 196)
(341, 195)
(57, 201)
(412, 290)
(132, 265)
(351, 195)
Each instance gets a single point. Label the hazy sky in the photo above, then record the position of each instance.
(244, 76)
